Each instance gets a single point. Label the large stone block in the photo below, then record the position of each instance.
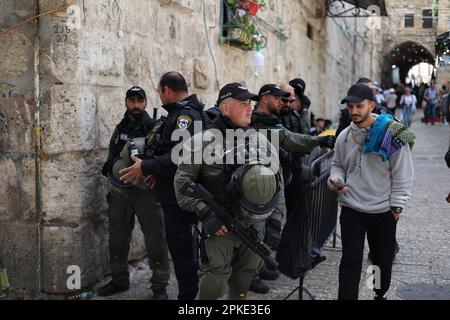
(110, 111)
(137, 56)
(19, 243)
(102, 55)
(16, 118)
(9, 196)
(61, 45)
(16, 51)
(138, 18)
(69, 121)
(201, 78)
(17, 189)
(182, 6)
(71, 189)
(79, 245)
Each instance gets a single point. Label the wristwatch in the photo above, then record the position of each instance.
(397, 210)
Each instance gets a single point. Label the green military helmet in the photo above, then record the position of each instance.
(136, 147)
(259, 185)
(258, 190)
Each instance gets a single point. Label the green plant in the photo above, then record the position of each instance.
(242, 28)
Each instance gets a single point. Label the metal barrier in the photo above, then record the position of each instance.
(323, 209)
(324, 204)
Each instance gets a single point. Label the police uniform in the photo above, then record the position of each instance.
(126, 202)
(179, 223)
(230, 262)
(293, 121)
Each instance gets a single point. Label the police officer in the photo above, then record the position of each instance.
(301, 104)
(265, 117)
(127, 200)
(183, 110)
(230, 262)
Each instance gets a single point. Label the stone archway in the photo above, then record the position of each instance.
(406, 55)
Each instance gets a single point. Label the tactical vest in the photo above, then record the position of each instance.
(225, 186)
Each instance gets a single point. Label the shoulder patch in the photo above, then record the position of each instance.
(184, 122)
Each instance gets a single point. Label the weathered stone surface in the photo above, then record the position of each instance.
(17, 189)
(109, 112)
(9, 195)
(184, 6)
(15, 48)
(102, 55)
(70, 187)
(201, 79)
(19, 243)
(69, 124)
(16, 117)
(80, 245)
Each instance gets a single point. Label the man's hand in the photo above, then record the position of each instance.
(326, 142)
(396, 215)
(133, 173)
(338, 185)
(211, 223)
(273, 233)
(150, 181)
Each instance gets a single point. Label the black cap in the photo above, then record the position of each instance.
(299, 86)
(358, 93)
(306, 102)
(273, 90)
(237, 91)
(135, 91)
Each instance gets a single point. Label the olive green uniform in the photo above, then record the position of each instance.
(230, 261)
(125, 204)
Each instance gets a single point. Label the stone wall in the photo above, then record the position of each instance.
(84, 73)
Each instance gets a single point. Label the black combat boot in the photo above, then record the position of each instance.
(258, 286)
(160, 294)
(267, 274)
(110, 289)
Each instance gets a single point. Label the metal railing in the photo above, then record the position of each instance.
(324, 204)
(323, 209)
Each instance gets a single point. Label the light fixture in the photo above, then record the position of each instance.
(257, 61)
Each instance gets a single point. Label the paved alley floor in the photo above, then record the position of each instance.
(422, 267)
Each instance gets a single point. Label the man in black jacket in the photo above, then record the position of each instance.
(183, 111)
(127, 201)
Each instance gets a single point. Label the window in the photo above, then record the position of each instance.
(409, 20)
(427, 18)
(310, 31)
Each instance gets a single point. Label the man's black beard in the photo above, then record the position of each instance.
(136, 113)
(274, 111)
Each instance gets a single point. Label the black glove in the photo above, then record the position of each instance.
(447, 158)
(273, 233)
(326, 142)
(210, 222)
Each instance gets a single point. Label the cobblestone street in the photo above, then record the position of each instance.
(422, 267)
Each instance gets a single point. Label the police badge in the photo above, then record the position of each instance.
(183, 122)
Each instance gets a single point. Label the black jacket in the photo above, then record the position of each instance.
(181, 115)
(125, 130)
